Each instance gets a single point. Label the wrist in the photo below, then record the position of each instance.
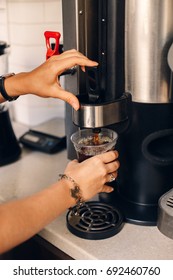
(62, 187)
(74, 189)
(16, 85)
(4, 92)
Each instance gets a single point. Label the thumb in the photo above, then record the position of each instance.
(70, 98)
(107, 189)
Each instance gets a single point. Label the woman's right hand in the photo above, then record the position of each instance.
(92, 174)
(43, 80)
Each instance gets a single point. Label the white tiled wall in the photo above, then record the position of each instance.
(3, 21)
(24, 23)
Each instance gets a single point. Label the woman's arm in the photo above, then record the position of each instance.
(21, 219)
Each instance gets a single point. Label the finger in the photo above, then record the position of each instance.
(111, 177)
(66, 96)
(108, 156)
(73, 61)
(112, 166)
(71, 99)
(69, 53)
(107, 189)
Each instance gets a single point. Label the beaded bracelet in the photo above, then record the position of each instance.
(74, 192)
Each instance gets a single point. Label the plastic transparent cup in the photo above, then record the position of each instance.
(89, 143)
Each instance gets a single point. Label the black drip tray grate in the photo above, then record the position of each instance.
(95, 221)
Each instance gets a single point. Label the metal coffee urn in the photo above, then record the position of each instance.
(131, 40)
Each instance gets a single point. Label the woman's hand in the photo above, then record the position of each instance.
(43, 80)
(92, 174)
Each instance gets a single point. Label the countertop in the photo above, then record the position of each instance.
(35, 170)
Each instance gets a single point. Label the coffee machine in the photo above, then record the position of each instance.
(131, 40)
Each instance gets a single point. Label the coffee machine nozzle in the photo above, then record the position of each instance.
(101, 115)
(95, 111)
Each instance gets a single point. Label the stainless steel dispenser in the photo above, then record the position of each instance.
(148, 37)
(131, 40)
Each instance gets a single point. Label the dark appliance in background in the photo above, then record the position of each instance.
(9, 146)
(130, 39)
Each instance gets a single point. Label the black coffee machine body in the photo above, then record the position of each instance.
(131, 40)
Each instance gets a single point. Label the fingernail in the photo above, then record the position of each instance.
(75, 106)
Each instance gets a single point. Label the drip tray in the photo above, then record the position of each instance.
(96, 220)
(165, 214)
